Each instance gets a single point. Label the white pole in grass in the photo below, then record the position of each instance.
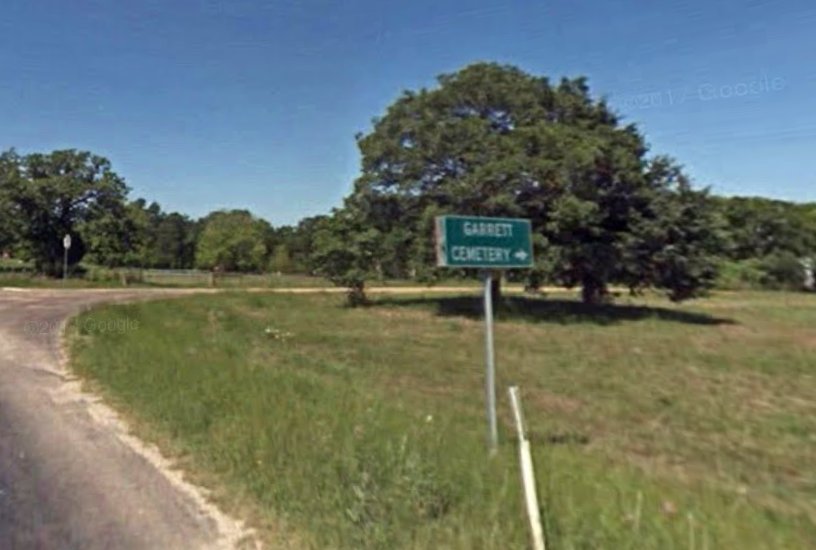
(527, 473)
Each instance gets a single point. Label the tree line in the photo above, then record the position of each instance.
(489, 140)
(44, 196)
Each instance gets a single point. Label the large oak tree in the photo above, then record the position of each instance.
(492, 140)
(58, 193)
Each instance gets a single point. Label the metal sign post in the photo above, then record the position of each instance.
(486, 243)
(66, 244)
(490, 364)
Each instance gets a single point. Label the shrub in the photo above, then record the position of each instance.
(783, 270)
(740, 275)
(100, 274)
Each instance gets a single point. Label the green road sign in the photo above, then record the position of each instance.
(501, 243)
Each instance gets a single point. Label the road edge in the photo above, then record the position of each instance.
(232, 532)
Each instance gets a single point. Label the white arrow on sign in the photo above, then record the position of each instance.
(520, 255)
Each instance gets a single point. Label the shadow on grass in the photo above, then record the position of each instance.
(550, 311)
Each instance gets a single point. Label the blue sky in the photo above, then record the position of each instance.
(205, 104)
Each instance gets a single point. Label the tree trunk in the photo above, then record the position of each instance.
(533, 283)
(593, 292)
(356, 295)
(495, 288)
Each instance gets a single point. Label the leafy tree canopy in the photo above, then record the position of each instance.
(233, 240)
(345, 251)
(53, 194)
(493, 140)
(761, 227)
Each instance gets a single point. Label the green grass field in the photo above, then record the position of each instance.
(36, 281)
(200, 279)
(653, 425)
(156, 278)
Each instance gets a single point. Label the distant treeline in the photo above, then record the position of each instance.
(46, 196)
(488, 140)
(43, 197)
(767, 242)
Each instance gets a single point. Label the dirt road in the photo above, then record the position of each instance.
(70, 475)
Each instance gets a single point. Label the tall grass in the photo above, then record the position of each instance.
(340, 428)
